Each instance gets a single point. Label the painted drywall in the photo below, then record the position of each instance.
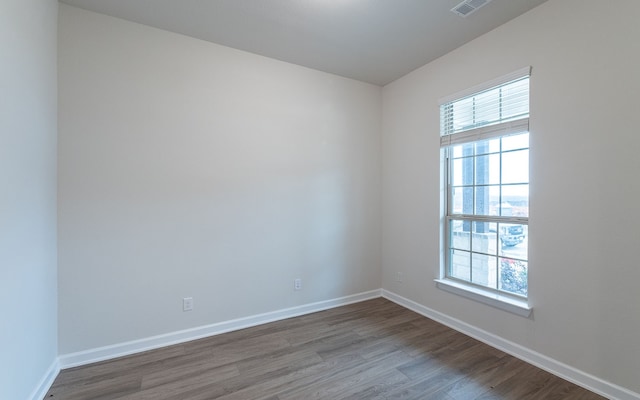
(585, 191)
(189, 169)
(28, 115)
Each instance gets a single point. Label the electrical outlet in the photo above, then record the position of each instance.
(399, 276)
(297, 284)
(187, 304)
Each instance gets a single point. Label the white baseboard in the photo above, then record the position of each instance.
(47, 380)
(571, 374)
(154, 342)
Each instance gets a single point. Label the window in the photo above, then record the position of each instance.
(485, 143)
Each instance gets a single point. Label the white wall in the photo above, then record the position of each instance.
(585, 191)
(192, 169)
(28, 294)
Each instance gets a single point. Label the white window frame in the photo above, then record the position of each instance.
(449, 137)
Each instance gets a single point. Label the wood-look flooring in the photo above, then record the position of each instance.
(369, 350)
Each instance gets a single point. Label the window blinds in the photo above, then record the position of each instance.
(496, 110)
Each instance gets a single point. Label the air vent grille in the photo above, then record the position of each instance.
(477, 3)
(468, 7)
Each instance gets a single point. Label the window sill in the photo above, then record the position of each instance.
(515, 306)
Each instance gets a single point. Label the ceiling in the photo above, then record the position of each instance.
(375, 41)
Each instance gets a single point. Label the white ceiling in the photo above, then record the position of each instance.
(375, 41)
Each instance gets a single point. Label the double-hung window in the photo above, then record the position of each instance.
(485, 144)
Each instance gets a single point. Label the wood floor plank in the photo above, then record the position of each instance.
(339, 382)
(484, 376)
(99, 389)
(380, 388)
(369, 350)
(292, 380)
(168, 387)
(189, 375)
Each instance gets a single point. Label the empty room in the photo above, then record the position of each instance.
(319, 199)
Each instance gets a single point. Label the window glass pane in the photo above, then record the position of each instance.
(484, 239)
(467, 170)
(513, 276)
(462, 200)
(482, 198)
(484, 270)
(460, 237)
(462, 171)
(515, 167)
(494, 200)
(515, 201)
(456, 151)
(456, 172)
(460, 265)
(488, 169)
(488, 146)
(467, 149)
(515, 142)
(513, 240)
(455, 202)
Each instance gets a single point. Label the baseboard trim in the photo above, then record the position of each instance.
(154, 342)
(571, 374)
(46, 381)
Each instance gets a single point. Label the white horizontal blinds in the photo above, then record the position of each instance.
(496, 111)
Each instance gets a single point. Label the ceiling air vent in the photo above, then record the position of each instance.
(468, 6)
